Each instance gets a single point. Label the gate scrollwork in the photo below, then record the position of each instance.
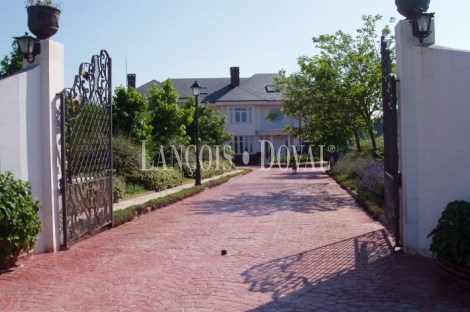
(86, 151)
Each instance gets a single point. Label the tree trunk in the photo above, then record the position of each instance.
(357, 140)
(372, 138)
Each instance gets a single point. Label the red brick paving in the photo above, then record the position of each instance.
(294, 243)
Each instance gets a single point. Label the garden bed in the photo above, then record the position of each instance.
(373, 209)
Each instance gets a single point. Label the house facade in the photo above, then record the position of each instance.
(246, 102)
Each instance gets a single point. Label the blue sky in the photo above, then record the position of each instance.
(198, 39)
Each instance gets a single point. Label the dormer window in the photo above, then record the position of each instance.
(203, 90)
(270, 88)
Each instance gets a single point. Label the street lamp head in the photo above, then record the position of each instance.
(196, 88)
(421, 23)
(29, 47)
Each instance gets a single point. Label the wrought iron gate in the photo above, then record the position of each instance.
(390, 122)
(86, 151)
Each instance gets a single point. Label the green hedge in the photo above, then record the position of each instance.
(206, 171)
(156, 180)
(122, 216)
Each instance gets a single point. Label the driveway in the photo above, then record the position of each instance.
(293, 242)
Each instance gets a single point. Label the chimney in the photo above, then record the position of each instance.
(234, 76)
(131, 80)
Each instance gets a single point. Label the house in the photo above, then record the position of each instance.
(246, 102)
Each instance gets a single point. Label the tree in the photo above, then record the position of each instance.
(212, 130)
(127, 155)
(324, 119)
(338, 92)
(130, 114)
(169, 121)
(11, 64)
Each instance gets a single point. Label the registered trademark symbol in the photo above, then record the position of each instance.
(331, 148)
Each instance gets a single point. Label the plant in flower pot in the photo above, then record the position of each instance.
(408, 7)
(451, 239)
(19, 219)
(43, 17)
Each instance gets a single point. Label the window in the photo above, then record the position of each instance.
(203, 90)
(241, 144)
(240, 115)
(270, 88)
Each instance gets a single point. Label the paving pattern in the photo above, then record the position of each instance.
(294, 243)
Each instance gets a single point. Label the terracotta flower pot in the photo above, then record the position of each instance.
(408, 7)
(43, 21)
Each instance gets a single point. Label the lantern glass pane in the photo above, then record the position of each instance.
(196, 88)
(423, 23)
(23, 43)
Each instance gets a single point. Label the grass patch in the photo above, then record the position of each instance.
(346, 181)
(134, 189)
(187, 180)
(128, 214)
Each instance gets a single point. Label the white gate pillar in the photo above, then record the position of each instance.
(51, 62)
(407, 47)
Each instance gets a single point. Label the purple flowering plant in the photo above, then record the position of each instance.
(371, 183)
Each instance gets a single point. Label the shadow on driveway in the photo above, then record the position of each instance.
(293, 195)
(357, 274)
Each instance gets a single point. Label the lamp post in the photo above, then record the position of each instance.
(196, 91)
(421, 24)
(29, 47)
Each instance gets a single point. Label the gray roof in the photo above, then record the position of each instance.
(253, 89)
(220, 90)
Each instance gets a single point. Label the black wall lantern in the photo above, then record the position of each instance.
(29, 47)
(421, 23)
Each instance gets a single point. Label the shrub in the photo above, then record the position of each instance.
(451, 236)
(206, 171)
(156, 180)
(366, 175)
(119, 188)
(19, 219)
(189, 171)
(127, 155)
(350, 165)
(190, 158)
(223, 163)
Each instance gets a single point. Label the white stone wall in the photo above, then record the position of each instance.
(28, 133)
(15, 92)
(434, 130)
